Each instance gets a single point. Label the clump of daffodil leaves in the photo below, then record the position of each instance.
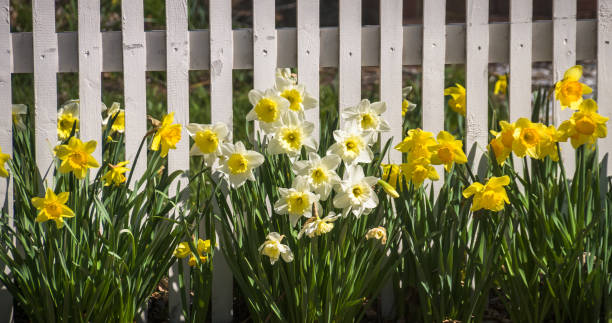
(314, 228)
(88, 241)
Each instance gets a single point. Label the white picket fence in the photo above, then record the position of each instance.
(307, 47)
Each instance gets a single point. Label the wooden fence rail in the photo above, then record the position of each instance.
(177, 50)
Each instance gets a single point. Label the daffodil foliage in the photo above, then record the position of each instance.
(88, 241)
(307, 230)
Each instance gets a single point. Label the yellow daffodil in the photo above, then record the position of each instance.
(501, 85)
(569, 91)
(193, 262)
(316, 226)
(53, 207)
(457, 98)
(388, 189)
(183, 250)
(273, 248)
(18, 111)
(3, 159)
(417, 144)
(378, 233)
(167, 135)
(502, 143)
(490, 196)
(418, 170)
(527, 137)
(76, 157)
(548, 144)
(392, 174)
(115, 174)
(115, 112)
(447, 151)
(585, 125)
(67, 118)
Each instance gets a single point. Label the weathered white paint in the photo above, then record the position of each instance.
(6, 136)
(199, 43)
(434, 48)
(349, 56)
(131, 54)
(177, 80)
(264, 46)
(391, 46)
(564, 57)
(45, 83)
(221, 62)
(90, 77)
(308, 54)
(519, 87)
(604, 73)
(477, 86)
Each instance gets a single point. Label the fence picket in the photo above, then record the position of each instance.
(45, 83)
(434, 51)
(177, 62)
(391, 47)
(604, 73)
(564, 57)
(477, 85)
(6, 138)
(134, 52)
(308, 54)
(221, 65)
(264, 46)
(349, 62)
(90, 69)
(520, 64)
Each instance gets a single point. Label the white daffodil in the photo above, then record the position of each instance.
(268, 107)
(208, 139)
(119, 123)
(238, 163)
(368, 116)
(18, 111)
(316, 226)
(352, 145)
(290, 134)
(296, 201)
(284, 77)
(274, 249)
(407, 106)
(67, 118)
(299, 99)
(320, 172)
(355, 193)
(378, 233)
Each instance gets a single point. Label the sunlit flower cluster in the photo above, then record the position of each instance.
(422, 152)
(202, 252)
